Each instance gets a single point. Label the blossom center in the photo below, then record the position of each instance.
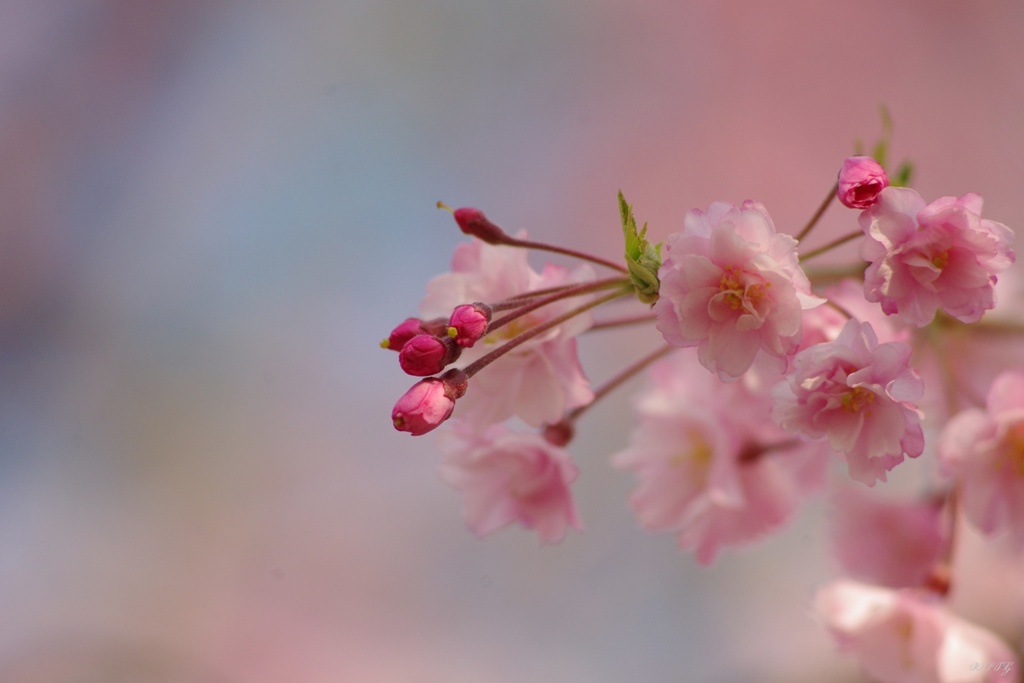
(698, 456)
(857, 399)
(739, 294)
(940, 260)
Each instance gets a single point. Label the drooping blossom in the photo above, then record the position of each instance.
(732, 287)
(542, 378)
(943, 256)
(861, 179)
(860, 395)
(824, 323)
(710, 464)
(508, 477)
(908, 636)
(984, 451)
(888, 543)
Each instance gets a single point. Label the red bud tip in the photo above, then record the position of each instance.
(473, 222)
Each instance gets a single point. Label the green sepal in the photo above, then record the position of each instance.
(643, 259)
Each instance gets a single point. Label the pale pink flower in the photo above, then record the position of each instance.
(894, 544)
(732, 287)
(984, 451)
(860, 395)
(824, 323)
(861, 179)
(711, 466)
(908, 636)
(542, 378)
(508, 477)
(942, 256)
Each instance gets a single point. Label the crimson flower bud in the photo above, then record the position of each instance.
(403, 333)
(426, 354)
(473, 222)
(861, 179)
(429, 402)
(468, 323)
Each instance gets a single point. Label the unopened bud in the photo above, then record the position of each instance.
(468, 323)
(422, 408)
(425, 354)
(403, 333)
(559, 434)
(861, 179)
(429, 402)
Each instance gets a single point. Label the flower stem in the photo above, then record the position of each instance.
(818, 214)
(558, 295)
(831, 245)
(479, 364)
(616, 381)
(622, 322)
(528, 244)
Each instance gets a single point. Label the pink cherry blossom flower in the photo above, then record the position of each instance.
(542, 378)
(508, 477)
(861, 179)
(894, 544)
(711, 466)
(908, 636)
(984, 451)
(942, 256)
(732, 287)
(859, 394)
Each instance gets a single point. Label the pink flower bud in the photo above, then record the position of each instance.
(860, 181)
(468, 323)
(403, 333)
(423, 407)
(473, 222)
(425, 354)
(429, 402)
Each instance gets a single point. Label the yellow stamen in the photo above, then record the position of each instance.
(856, 399)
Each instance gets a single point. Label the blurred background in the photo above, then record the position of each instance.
(212, 212)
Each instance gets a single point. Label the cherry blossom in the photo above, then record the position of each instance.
(711, 466)
(507, 477)
(861, 179)
(942, 256)
(888, 543)
(908, 636)
(543, 377)
(859, 394)
(732, 287)
(984, 451)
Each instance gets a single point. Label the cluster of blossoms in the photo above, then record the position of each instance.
(799, 367)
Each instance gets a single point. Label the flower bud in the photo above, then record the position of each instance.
(473, 222)
(423, 407)
(860, 181)
(425, 354)
(468, 323)
(402, 334)
(429, 402)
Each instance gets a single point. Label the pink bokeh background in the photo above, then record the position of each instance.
(210, 213)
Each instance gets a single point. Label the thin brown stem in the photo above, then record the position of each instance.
(617, 381)
(528, 244)
(831, 245)
(497, 353)
(574, 290)
(622, 322)
(818, 214)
